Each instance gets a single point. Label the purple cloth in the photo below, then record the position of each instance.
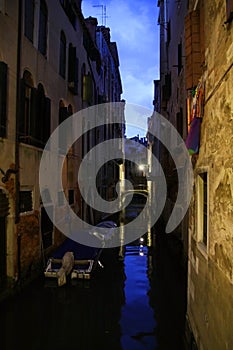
(193, 139)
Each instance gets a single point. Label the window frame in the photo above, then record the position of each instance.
(202, 210)
(25, 212)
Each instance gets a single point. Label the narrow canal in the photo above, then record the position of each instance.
(133, 304)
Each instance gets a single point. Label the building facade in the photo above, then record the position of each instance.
(195, 94)
(50, 68)
(210, 283)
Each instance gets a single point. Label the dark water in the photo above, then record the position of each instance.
(130, 305)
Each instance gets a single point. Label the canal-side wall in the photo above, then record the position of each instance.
(210, 275)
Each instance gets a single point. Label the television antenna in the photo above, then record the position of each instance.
(103, 13)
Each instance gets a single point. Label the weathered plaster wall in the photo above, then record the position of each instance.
(210, 294)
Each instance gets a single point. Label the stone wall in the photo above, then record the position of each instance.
(210, 280)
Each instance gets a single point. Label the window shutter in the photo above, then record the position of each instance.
(229, 10)
(192, 49)
(73, 70)
(34, 131)
(63, 114)
(22, 124)
(47, 120)
(87, 88)
(3, 98)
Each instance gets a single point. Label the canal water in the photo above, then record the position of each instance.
(134, 304)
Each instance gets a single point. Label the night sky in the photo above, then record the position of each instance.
(133, 25)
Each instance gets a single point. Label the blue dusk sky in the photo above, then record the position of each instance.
(133, 26)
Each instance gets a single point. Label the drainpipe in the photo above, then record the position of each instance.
(17, 116)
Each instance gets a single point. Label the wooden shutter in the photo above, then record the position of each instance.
(192, 49)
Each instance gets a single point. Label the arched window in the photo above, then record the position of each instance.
(43, 19)
(34, 122)
(42, 117)
(29, 19)
(28, 107)
(62, 63)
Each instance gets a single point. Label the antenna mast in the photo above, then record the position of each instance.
(103, 13)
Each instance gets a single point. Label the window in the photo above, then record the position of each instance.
(64, 113)
(43, 111)
(202, 207)
(27, 110)
(62, 62)
(29, 19)
(229, 10)
(69, 10)
(179, 122)
(47, 226)
(166, 88)
(194, 45)
(3, 6)
(71, 196)
(73, 66)
(180, 66)
(3, 98)
(25, 201)
(34, 123)
(43, 19)
(87, 88)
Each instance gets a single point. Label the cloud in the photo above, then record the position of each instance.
(133, 25)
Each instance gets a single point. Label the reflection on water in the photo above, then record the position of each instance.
(137, 318)
(129, 305)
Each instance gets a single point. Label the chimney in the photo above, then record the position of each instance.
(91, 23)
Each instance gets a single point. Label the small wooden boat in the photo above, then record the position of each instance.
(76, 261)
